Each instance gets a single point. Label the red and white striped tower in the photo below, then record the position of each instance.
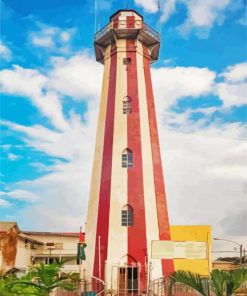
(127, 207)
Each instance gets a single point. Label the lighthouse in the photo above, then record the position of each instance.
(127, 208)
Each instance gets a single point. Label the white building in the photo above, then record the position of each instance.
(19, 250)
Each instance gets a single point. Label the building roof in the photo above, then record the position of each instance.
(30, 239)
(120, 10)
(222, 262)
(71, 234)
(6, 226)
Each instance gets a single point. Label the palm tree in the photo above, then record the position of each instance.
(41, 281)
(222, 283)
(235, 280)
(193, 280)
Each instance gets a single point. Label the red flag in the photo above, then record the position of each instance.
(81, 237)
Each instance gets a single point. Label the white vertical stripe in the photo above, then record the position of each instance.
(117, 239)
(152, 228)
(93, 205)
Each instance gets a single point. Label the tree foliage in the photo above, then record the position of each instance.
(193, 280)
(41, 280)
(222, 283)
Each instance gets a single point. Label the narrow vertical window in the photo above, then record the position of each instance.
(127, 216)
(127, 105)
(126, 61)
(127, 158)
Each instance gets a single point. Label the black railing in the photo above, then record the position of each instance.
(102, 31)
(122, 24)
(151, 31)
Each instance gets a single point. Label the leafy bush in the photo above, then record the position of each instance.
(41, 280)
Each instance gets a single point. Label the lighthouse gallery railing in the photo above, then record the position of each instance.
(123, 24)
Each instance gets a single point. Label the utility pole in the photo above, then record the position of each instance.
(241, 254)
(240, 247)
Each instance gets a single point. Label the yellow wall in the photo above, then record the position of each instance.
(194, 233)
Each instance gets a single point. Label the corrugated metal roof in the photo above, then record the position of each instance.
(30, 239)
(73, 234)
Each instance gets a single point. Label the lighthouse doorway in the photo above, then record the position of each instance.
(127, 280)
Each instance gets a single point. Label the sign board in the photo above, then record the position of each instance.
(179, 250)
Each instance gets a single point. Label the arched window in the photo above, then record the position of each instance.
(127, 158)
(127, 216)
(127, 105)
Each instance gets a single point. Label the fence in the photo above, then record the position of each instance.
(92, 287)
(163, 287)
(124, 24)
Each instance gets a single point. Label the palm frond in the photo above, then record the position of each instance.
(193, 280)
(235, 279)
(218, 282)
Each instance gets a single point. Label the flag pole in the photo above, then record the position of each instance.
(99, 258)
(80, 261)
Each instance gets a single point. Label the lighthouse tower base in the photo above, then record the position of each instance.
(193, 241)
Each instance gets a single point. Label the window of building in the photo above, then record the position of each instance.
(127, 216)
(51, 260)
(127, 158)
(126, 61)
(127, 105)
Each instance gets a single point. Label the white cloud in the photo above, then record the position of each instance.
(233, 90)
(65, 36)
(168, 8)
(31, 84)
(171, 84)
(67, 77)
(79, 77)
(204, 178)
(21, 81)
(13, 157)
(4, 203)
(52, 38)
(63, 191)
(235, 73)
(201, 15)
(67, 144)
(42, 41)
(20, 194)
(148, 5)
(232, 94)
(5, 52)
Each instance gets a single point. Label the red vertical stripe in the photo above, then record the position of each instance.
(162, 212)
(115, 23)
(106, 171)
(130, 22)
(137, 241)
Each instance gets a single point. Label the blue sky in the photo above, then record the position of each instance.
(50, 87)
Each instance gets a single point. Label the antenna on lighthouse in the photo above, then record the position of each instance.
(95, 15)
(159, 17)
(126, 4)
